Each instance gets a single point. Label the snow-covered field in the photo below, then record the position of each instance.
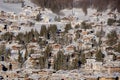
(14, 7)
(9, 7)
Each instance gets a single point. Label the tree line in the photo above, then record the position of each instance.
(57, 5)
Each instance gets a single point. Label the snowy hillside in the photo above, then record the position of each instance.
(10, 7)
(13, 7)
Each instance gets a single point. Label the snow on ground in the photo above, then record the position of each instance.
(78, 13)
(29, 3)
(9, 7)
(48, 13)
(14, 7)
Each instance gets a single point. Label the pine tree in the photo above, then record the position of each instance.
(77, 26)
(31, 35)
(2, 50)
(38, 17)
(67, 27)
(20, 58)
(36, 33)
(83, 59)
(8, 53)
(110, 21)
(85, 26)
(20, 36)
(75, 63)
(46, 63)
(42, 61)
(43, 31)
(26, 55)
(66, 62)
(114, 57)
(26, 37)
(52, 29)
(112, 38)
(59, 61)
(99, 55)
(47, 51)
(32, 51)
(117, 48)
(7, 36)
